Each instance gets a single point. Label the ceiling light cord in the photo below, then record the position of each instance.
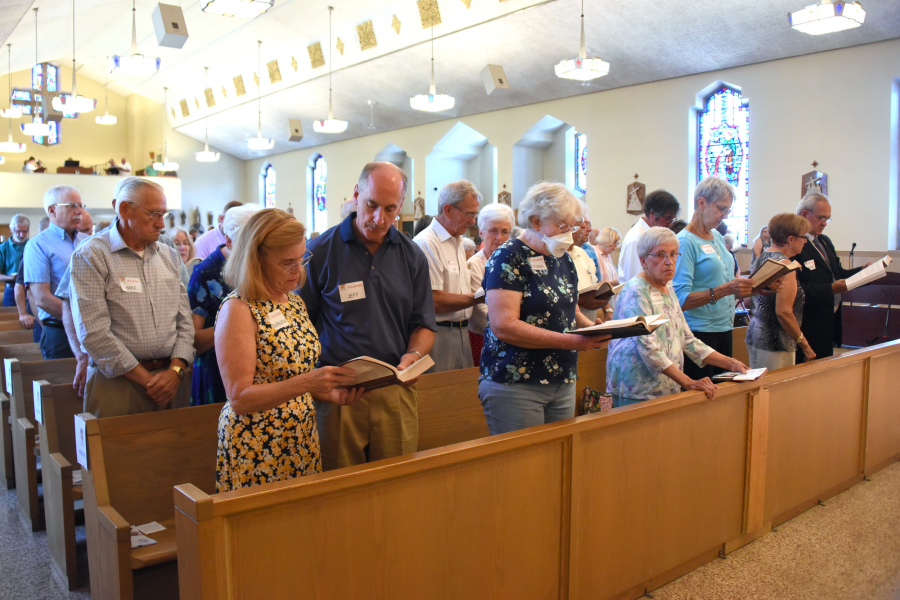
(259, 89)
(330, 65)
(165, 133)
(206, 110)
(74, 83)
(133, 28)
(583, 52)
(431, 89)
(9, 80)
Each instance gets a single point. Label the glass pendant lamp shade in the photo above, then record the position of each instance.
(165, 165)
(205, 155)
(13, 112)
(246, 9)
(582, 68)
(329, 125)
(259, 142)
(134, 63)
(828, 16)
(35, 129)
(106, 118)
(432, 101)
(11, 147)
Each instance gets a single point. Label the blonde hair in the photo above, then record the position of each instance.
(173, 233)
(270, 230)
(608, 236)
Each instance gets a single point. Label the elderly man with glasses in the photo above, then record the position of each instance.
(45, 260)
(453, 295)
(131, 312)
(822, 279)
(660, 210)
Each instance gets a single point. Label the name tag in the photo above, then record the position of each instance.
(538, 264)
(131, 284)
(656, 298)
(276, 319)
(352, 291)
(38, 406)
(708, 249)
(810, 264)
(454, 267)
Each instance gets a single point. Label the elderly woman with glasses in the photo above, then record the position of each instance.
(528, 365)
(650, 366)
(267, 348)
(704, 278)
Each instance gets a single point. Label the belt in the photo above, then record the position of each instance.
(55, 323)
(156, 364)
(460, 324)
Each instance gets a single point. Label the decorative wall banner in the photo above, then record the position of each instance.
(210, 98)
(294, 64)
(366, 33)
(316, 58)
(173, 113)
(340, 46)
(429, 13)
(505, 198)
(635, 197)
(814, 181)
(256, 79)
(396, 24)
(184, 108)
(224, 92)
(239, 85)
(196, 103)
(274, 71)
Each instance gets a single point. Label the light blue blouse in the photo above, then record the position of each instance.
(705, 264)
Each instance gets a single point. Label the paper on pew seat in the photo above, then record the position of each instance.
(76, 477)
(139, 540)
(148, 528)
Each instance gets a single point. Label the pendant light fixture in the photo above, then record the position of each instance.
(73, 103)
(13, 112)
(37, 127)
(106, 118)
(11, 146)
(432, 101)
(828, 16)
(206, 155)
(330, 125)
(582, 68)
(165, 165)
(259, 142)
(134, 63)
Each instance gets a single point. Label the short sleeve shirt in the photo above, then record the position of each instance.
(704, 264)
(47, 256)
(447, 265)
(549, 288)
(11, 256)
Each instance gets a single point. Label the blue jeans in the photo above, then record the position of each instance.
(9, 295)
(513, 406)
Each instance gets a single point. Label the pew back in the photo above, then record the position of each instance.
(11, 325)
(16, 336)
(26, 351)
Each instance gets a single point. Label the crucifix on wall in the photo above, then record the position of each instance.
(814, 181)
(635, 202)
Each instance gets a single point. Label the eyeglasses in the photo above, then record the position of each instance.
(70, 205)
(153, 215)
(564, 228)
(723, 211)
(469, 215)
(821, 218)
(673, 256)
(297, 264)
(668, 220)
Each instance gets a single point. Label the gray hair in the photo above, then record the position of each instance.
(121, 183)
(130, 190)
(57, 195)
(653, 237)
(468, 244)
(363, 182)
(729, 239)
(496, 213)
(545, 199)
(810, 201)
(456, 192)
(236, 218)
(19, 219)
(608, 236)
(713, 188)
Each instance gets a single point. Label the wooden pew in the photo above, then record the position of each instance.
(59, 403)
(12, 325)
(27, 351)
(9, 315)
(24, 374)
(16, 336)
(134, 461)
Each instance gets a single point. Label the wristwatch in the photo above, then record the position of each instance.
(178, 371)
(800, 339)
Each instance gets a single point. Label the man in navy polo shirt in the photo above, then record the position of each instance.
(368, 292)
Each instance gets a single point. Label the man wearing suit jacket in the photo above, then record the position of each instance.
(822, 278)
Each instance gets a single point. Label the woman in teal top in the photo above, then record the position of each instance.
(703, 277)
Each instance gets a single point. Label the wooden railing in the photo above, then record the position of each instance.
(602, 506)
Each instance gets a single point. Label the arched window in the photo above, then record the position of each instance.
(320, 198)
(724, 151)
(267, 189)
(580, 165)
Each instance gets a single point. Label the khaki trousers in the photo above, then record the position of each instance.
(120, 396)
(381, 424)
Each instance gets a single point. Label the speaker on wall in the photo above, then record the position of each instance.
(296, 130)
(494, 78)
(168, 22)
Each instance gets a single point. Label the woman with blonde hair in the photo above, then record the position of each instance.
(266, 348)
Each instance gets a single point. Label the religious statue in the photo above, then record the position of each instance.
(183, 218)
(418, 207)
(290, 209)
(209, 218)
(635, 202)
(814, 181)
(195, 217)
(170, 220)
(505, 197)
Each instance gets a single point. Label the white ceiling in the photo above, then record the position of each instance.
(644, 40)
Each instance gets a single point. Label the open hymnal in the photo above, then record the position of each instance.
(751, 375)
(623, 328)
(769, 271)
(876, 270)
(372, 374)
(604, 290)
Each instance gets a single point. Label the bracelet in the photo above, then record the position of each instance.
(416, 352)
(712, 295)
(800, 339)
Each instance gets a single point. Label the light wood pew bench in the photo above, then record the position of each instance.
(25, 449)
(13, 325)
(26, 351)
(134, 463)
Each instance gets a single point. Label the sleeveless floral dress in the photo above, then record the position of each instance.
(281, 443)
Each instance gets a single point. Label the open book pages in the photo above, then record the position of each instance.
(876, 270)
(751, 375)
(372, 374)
(769, 271)
(622, 328)
(603, 289)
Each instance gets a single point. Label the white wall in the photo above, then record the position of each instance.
(840, 118)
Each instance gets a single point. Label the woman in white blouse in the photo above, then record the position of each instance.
(495, 223)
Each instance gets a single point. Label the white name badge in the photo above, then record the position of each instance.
(81, 452)
(276, 319)
(810, 264)
(454, 267)
(708, 249)
(38, 406)
(131, 284)
(7, 366)
(538, 264)
(352, 291)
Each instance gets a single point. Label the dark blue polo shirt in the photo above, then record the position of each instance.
(397, 299)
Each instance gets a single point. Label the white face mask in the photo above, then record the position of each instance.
(558, 244)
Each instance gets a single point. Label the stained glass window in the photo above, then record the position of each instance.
(37, 77)
(26, 108)
(269, 186)
(320, 198)
(68, 115)
(54, 136)
(581, 162)
(724, 151)
(52, 78)
(21, 95)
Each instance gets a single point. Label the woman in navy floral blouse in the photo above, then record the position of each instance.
(529, 360)
(206, 291)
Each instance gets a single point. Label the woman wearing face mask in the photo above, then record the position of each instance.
(528, 365)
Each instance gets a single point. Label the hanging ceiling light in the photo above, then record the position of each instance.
(582, 68)
(246, 9)
(165, 165)
(206, 155)
(11, 146)
(134, 63)
(259, 142)
(37, 128)
(106, 118)
(329, 125)
(13, 112)
(432, 101)
(73, 103)
(827, 16)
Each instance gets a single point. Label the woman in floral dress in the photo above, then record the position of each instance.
(267, 348)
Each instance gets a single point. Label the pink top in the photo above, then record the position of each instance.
(208, 242)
